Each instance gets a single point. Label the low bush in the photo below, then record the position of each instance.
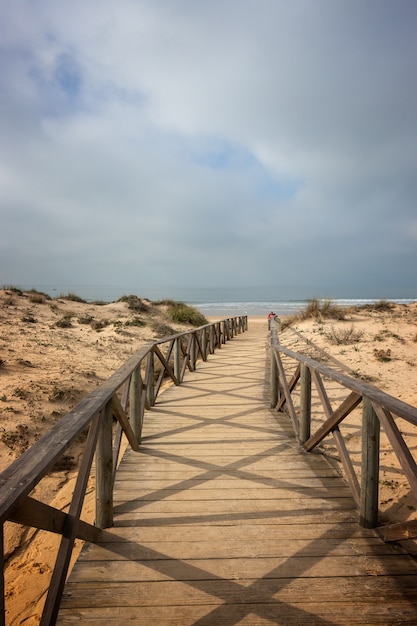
(13, 289)
(134, 303)
(185, 314)
(162, 330)
(64, 322)
(381, 305)
(74, 298)
(38, 297)
(85, 319)
(135, 321)
(99, 324)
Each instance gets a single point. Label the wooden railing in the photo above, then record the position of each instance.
(297, 372)
(125, 396)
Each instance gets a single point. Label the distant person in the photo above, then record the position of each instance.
(271, 316)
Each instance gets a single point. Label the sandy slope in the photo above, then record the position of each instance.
(380, 348)
(45, 369)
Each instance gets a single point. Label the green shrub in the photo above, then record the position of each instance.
(135, 321)
(85, 319)
(185, 314)
(166, 302)
(64, 322)
(162, 330)
(99, 324)
(38, 297)
(13, 289)
(134, 303)
(74, 298)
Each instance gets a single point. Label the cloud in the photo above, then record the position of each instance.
(208, 143)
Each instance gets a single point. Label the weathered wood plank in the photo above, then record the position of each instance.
(271, 614)
(308, 567)
(245, 591)
(248, 529)
(192, 493)
(258, 548)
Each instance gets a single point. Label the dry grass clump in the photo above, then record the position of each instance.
(38, 297)
(316, 309)
(136, 321)
(381, 306)
(344, 336)
(382, 355)
(13, 289)
(85, 319)
(73, 297)
(28, 318)
(162, 330)
(134, 303)
(99, 324)
(64, 322)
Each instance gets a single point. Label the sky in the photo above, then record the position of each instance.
(209, 143)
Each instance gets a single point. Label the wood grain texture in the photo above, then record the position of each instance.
(222, 519)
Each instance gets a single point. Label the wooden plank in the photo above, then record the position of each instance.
(245, 591)
(37, 514)
(334, 417)
(269, 516)
(399, 446)
(308, 567)
(231, 506)
(248, 530)
(258, 548)
(271, 614)
(214, 482)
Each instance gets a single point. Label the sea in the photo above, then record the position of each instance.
(231, 301)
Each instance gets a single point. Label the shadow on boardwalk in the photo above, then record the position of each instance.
(221, 518)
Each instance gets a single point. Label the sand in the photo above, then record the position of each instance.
(379, 347)
(46, 369)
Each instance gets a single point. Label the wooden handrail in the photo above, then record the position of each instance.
(133, 388)
(379, 408)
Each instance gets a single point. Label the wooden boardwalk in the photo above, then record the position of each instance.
(222, 519)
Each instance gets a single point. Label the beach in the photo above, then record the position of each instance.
(48, 366)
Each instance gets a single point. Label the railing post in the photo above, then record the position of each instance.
(135, 396)
(305, 403)
(150, 382)
(203, 340)
(212, 338)
(218, 342)
(104, 470)
(177, 359)
(274, 379)
(192, 352)
(370, 466)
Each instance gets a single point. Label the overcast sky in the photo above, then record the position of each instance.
(209, 142)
